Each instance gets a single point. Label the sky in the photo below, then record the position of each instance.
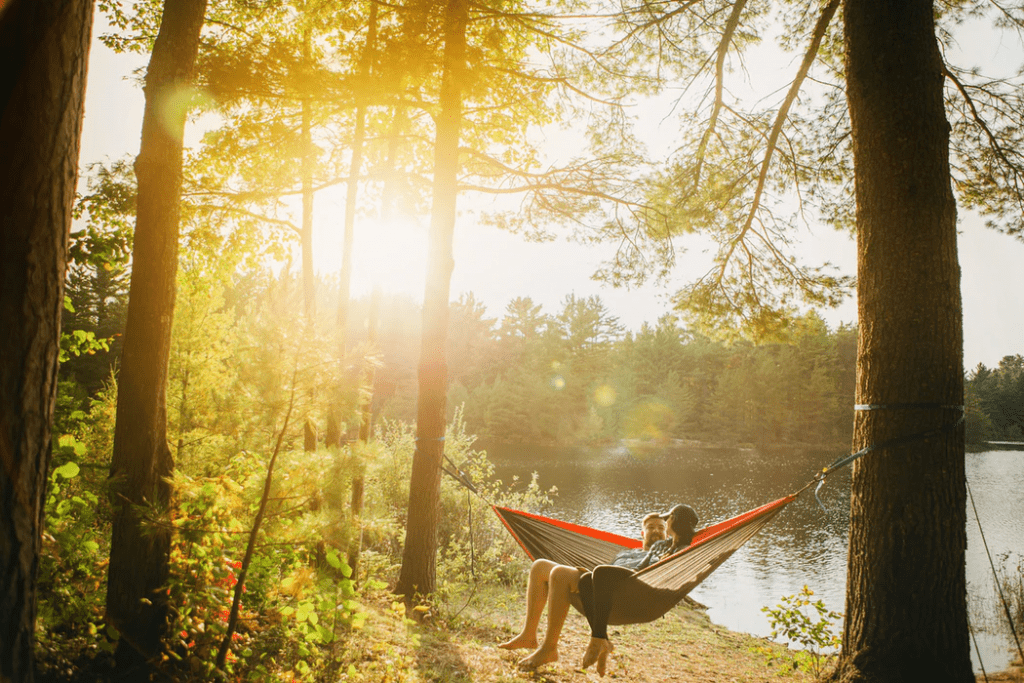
(497, 266)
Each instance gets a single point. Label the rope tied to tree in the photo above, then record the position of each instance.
(845, 460)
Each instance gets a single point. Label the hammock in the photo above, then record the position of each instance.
(654, 590)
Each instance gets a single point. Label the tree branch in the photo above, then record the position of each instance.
(997, 148)
(723, 50)
(819, 33)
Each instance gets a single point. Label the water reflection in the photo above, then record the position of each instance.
(805, 545)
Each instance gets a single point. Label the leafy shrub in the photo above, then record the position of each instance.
(809, 625)
(71, 567)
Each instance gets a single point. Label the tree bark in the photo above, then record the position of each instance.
(906, 612)
(142, 462)
(44, 45)
(418, 574)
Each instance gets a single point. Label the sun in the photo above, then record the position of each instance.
(387, 253)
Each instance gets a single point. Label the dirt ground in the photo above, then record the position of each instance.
(684, 646)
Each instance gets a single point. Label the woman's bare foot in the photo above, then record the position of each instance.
(602, 659)
(597, 652)
(539, 657)
(519, 642)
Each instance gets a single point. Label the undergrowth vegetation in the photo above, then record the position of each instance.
(240, 370)
(808, 625)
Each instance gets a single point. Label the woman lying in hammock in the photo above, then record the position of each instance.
(555, 583)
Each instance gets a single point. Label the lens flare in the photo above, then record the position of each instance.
(176, 105)
(650, 420)
(604, 396)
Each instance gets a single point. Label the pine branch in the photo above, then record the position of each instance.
(819, 33)
(997, 148)
(723, 49)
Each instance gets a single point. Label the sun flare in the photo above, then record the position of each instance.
(387, 253)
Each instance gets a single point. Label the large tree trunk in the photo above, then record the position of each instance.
(44, 45)
(141, 464)
(418, 575)
(906, 616)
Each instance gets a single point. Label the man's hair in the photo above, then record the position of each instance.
(649, 517)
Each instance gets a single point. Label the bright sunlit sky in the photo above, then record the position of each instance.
(497, 266)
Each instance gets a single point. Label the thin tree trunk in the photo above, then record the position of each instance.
(355, 168)
(335, 436)
(250, 546)
(906, 616)
(308, 279)
(142, 462)
(44, 45)
(418, 574)
(365, 431)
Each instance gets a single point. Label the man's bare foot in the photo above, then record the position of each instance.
(539, 657)
(597, 652)
(519, 642)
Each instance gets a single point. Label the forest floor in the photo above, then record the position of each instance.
(461, 647)
(683, 646)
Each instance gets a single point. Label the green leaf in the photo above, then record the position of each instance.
(68, 470)
(333, 559)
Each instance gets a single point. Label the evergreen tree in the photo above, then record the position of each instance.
(142, 464)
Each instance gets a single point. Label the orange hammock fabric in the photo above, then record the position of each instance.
(654, 590)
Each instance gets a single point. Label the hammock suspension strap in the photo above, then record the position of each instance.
(898, 441)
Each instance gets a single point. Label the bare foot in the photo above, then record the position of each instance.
(539, 657)
(597, 652)
(602, 659)
(519, 642)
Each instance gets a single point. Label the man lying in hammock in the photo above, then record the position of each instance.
(555, 583)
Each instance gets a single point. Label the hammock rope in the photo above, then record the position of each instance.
(995, 577)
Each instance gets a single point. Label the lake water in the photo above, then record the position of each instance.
(612, 489)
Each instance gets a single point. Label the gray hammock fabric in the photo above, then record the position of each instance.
(654, 590)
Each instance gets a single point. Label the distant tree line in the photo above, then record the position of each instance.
(576, 375)
(995, 401)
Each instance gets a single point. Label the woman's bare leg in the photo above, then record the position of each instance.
(563, 581)
(536, 596)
